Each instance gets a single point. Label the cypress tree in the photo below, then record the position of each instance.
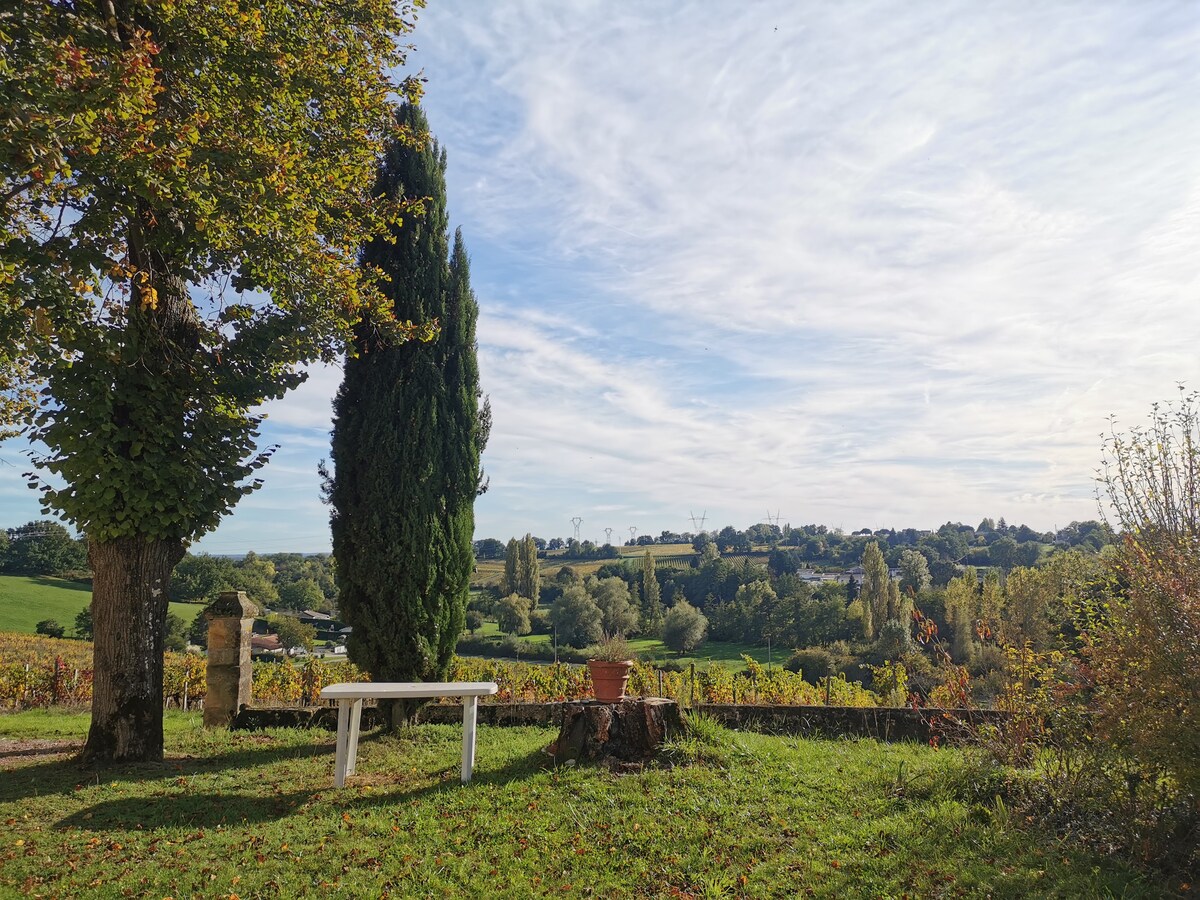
(408, 433)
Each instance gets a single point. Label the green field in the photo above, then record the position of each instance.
(254, 814)
(491, 571)
(27, 600)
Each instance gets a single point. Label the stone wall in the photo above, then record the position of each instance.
(885, 724)
(881, 723)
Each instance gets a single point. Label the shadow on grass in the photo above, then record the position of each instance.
(65, 776)
(63, 583)
(185, 811)
(237, 808)
(175, 809)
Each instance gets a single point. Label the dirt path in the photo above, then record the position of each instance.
(13, 752)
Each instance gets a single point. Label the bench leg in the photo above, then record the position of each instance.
(352, 743)
(343, 739)
(349, 719)
(468, 753)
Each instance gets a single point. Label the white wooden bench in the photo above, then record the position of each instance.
(350, 698)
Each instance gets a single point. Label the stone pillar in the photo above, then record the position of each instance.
(230, 682)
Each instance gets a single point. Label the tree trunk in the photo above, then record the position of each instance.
(129, 613)
(623, 736)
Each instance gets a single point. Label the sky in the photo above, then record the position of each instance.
(865, 265)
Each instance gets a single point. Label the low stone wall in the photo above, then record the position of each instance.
(881, 723)
(884, 724)
(543, 714)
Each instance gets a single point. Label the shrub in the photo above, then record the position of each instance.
(1143, 643)
(812, 664)
(511, 645)
(50, 628)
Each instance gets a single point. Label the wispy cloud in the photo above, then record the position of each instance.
(864, 264)
(897, 261)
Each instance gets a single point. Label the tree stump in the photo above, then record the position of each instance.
(623, 736)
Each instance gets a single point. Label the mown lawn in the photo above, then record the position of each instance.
(26, 600)
(254, 815)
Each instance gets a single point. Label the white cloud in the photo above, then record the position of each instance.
(865, 264)
(914, 249)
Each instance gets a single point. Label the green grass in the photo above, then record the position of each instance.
(27, 600)
(254, 815)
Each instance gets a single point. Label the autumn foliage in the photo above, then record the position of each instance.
(28, 666)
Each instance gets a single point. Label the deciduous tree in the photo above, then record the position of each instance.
(874, 592)
(200, 578)
(293, 634)
(529, 576)
(50, 627)
(512, 614)
(43, 548)
(512, 567)
(612, 596)
(83, 623)
(652, 608)
(576, 617)
(184, 187)
(914, 572)
(684, 627)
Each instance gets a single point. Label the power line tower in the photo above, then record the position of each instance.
(633, 534)
(773, 519)
(608, 535)
(698, 524)
(576, 521)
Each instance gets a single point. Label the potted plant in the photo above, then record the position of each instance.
(609, 664)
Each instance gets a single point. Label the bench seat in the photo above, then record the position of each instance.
(350, 696)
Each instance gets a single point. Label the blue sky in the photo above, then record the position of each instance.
(860, 264)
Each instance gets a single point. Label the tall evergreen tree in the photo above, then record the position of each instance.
(408, 433)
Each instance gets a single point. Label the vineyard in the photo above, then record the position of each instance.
(40, 671)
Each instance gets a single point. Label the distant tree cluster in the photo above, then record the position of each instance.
(42, 548)
(946, 549)
(281, 581)
(757, 587)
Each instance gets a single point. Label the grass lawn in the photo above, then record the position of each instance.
(254, 815)
(27, 600)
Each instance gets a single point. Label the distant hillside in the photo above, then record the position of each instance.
(27, 600)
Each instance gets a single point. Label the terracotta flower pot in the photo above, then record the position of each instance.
(609, 679)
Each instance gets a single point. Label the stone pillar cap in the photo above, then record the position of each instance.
(231, 604)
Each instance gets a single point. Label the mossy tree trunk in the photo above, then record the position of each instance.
(129, 610)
